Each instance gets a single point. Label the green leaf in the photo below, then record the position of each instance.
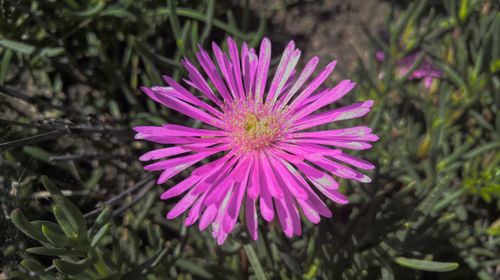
(119, 12)
(16, 46)
(56, 238)
(99, 235)
(146, 266)
(71, 212)
(426, 265)
(32, 266)
(64, 222)
(52, 226)
(254, 261)
(55, 252)
(90, 12)
(104, 217)
(24, 225)
(194, 269)
(481, 149)
(69, 267)
(28, 49)
(4, 66)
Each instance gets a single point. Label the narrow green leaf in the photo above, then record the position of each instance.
(16, 46)
(208, 21)
(174, 21)
(482, 149)
(118, 12)
(254, 261)
(71, 212)
(70, 268)
(64, 222)
(146, 266)
(4, 66)
(150, 55)
(55, 252)
(426, 265)
(52, 226)
(96, 175)
(99, 235)
(32, 266)
(56, 238)
(104, 217)
(90, 12)
(24, 225)
(194, 269)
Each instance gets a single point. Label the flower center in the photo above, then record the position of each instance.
(257, 127)
(254, 128)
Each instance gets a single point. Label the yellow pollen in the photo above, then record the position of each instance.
(255, 127)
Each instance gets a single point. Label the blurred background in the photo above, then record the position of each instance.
(69, 77)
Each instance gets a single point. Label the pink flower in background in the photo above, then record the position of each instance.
(426, 71)
(257, 134)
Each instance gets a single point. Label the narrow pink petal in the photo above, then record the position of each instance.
(344, 132)
(315, 202)
(225, 69)
(318, 177)
(190, 131)
(285, 174)
(194, 213)
(235, 61)
(217, 226)
(262, 69)
(294, 214)
(207, 169)
(164, 164)
(312, 204)
(235, 205)
(199, 82)
(355, 110)
(286, 156)
(251, 217)
(209, 67)
(171, 151)
(284, 217)
(313, 85)
(169, 163)
(254, 180)
(349, 144)
(286, 66)
(183, 107)
(304, 75)
(181, 187)
(218, 191)
(269, 179)
(252, 71)
(183, 139)
(341, 170)
(186, 202)
(187, 96)
(208, 216)
(266, 204)
(309, 212)
(354, 161)
(222, 181)
(329, 97)
(172, 130)
(176, 169)
(334, 195)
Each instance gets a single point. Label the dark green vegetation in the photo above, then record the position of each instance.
(69, 78)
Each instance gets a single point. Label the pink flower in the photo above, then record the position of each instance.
(258, 134)
(426, 71)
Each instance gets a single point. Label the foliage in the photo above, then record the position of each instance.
(69, 77)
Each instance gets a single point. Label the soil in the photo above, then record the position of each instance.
(329, 29)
